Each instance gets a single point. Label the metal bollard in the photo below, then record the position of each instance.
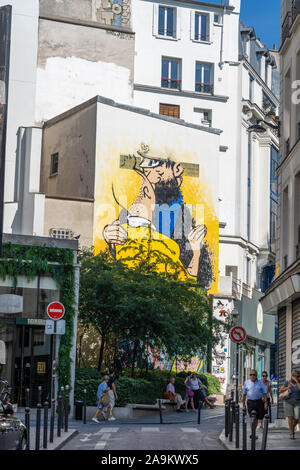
(199, 411)
(66, 408)
(38, 419)
(253, 430)
(244, 429)
(231, 406)
(227, 415)
(265, 433)
(160, 411)
(62, 392)
(52, 419)
(84, 406)
(27, 417)
(45, 435)
(270, 410)
(59, 415)
(237, 426)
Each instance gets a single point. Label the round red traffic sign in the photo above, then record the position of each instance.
(237, 334)
(56, 310)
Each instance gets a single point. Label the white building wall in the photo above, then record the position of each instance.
(22, 88)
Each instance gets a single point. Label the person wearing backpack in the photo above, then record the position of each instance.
(103, 400)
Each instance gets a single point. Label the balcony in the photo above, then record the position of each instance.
(289, 20)
(204, 87)
(171, 83)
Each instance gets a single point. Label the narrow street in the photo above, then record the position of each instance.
(179, 432)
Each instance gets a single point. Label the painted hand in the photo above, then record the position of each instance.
(115, 234)
(196, 237)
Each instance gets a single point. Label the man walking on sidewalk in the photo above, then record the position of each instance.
(256, 393)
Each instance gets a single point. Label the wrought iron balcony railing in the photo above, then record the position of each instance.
(289, 20)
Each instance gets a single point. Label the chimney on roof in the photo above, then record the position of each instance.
(274, 47)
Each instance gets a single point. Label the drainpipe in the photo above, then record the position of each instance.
(221, 63)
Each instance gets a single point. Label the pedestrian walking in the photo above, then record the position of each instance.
(189, 394)
(290, 392)
(170, 394)
(112, 392)
(270, 399)
(102, 399)
(256, 393)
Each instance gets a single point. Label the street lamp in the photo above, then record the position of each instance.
(259, 129)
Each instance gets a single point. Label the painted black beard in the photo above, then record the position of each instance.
(166, 192)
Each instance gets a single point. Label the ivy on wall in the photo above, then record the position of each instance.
(32, 261)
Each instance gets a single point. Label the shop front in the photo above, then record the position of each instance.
(255, 353)
(283, 300)
(26, 352)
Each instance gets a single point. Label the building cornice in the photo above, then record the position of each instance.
(196, 3)
(183, 93)
(258, 78)
(289, 157)
(86, 23)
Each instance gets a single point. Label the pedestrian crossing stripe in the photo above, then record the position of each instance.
(150, 430)
(189, 430)
(103, 430)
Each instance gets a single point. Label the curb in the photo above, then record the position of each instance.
(65, 441)
(223, 440)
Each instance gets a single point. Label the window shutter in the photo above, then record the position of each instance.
(155, 20)
(178, 22)
(192, 25)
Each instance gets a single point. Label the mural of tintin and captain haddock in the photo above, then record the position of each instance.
(164, 213)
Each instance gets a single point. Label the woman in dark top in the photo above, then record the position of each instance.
(292, 404)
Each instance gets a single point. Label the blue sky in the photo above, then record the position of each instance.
(264, 16)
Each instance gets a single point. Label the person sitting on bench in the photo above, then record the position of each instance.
(171, 395)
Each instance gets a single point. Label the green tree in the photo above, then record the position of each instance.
(145, 307)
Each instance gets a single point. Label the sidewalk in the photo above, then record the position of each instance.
(278, 439)
(58, 442)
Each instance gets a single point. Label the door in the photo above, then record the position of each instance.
(32, 363)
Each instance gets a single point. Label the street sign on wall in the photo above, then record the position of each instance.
(238, 334)
(56, 310)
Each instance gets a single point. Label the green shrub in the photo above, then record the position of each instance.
(137, 390)
(213, 384)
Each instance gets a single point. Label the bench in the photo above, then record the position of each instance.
(142, 410)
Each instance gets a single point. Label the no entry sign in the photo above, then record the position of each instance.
(56, 310)
(237, 334)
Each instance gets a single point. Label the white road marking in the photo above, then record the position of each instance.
(150, 429)
(85, 439)
(104, 430)
(189, 430)
(100, 445)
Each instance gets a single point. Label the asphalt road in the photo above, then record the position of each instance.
(181, 432)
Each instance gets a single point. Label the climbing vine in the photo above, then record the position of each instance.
(32, 261)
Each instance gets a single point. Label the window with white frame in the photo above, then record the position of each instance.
(204, 78)
(217, 18)
(201, 27)
(167, 21)
(170, 73)
(205, 116)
